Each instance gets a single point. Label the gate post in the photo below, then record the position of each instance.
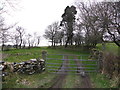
(44, 54)
(98, 65)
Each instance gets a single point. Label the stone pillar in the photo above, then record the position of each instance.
(44, 54)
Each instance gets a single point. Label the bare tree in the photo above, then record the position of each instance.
(58, 38)
(4, 33)
(38, 40)
(113, 20)
(4, 38)
(28, 37)
(9, 5)
(3, 28)
(24, 42)
(92, 18)
(51, 31)
(100, 20)
(1, 31)
(35, 39)
(15, 39)
(21, 33)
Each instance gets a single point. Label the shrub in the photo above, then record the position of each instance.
(109, 64)
(115, 82)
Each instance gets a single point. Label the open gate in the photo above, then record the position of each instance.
(70, 64)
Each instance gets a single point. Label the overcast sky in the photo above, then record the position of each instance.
(36, 15)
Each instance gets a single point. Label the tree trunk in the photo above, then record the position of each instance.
(52, 42)
(29, 46)
(114, 39)
(2, 47)
(3, 44)
(24, 46)
(71, 43)
(67, 42)
(16, 46)
(60, 42)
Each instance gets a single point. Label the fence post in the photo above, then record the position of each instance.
(98, 65)
(44, 54)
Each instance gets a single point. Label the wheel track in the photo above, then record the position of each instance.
(60, 78)
(85, 82)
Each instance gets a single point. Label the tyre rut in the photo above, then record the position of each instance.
(62, 73)
(85, 82)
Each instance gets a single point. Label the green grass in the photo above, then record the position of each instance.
(44, 79)
(35, 80)
(110, 47)
(72, 81)
(31, 81)
(18, 55)
(100, 81)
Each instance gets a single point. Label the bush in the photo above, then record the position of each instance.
(115, 82)
(109, 64)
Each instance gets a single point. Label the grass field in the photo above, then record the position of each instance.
(109, 47)
(44, 79)
(35, 80)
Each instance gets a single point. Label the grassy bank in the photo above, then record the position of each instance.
(109, 47)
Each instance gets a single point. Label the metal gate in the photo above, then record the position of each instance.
(70, 64)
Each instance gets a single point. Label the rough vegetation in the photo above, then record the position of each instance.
(109, 65)
(96, 23)
(44, 80)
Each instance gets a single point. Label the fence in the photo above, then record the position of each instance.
(70, 64)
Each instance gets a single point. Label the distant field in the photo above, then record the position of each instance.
(26, 54)
(111, 47)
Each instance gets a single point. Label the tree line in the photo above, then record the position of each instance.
(82, 24)
(86, 24)
(14, 34)
(19, 38)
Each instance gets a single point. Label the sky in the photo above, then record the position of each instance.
(36, 15)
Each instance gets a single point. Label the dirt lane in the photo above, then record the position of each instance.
(60, 79)
(86, 83)
(85, 79)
